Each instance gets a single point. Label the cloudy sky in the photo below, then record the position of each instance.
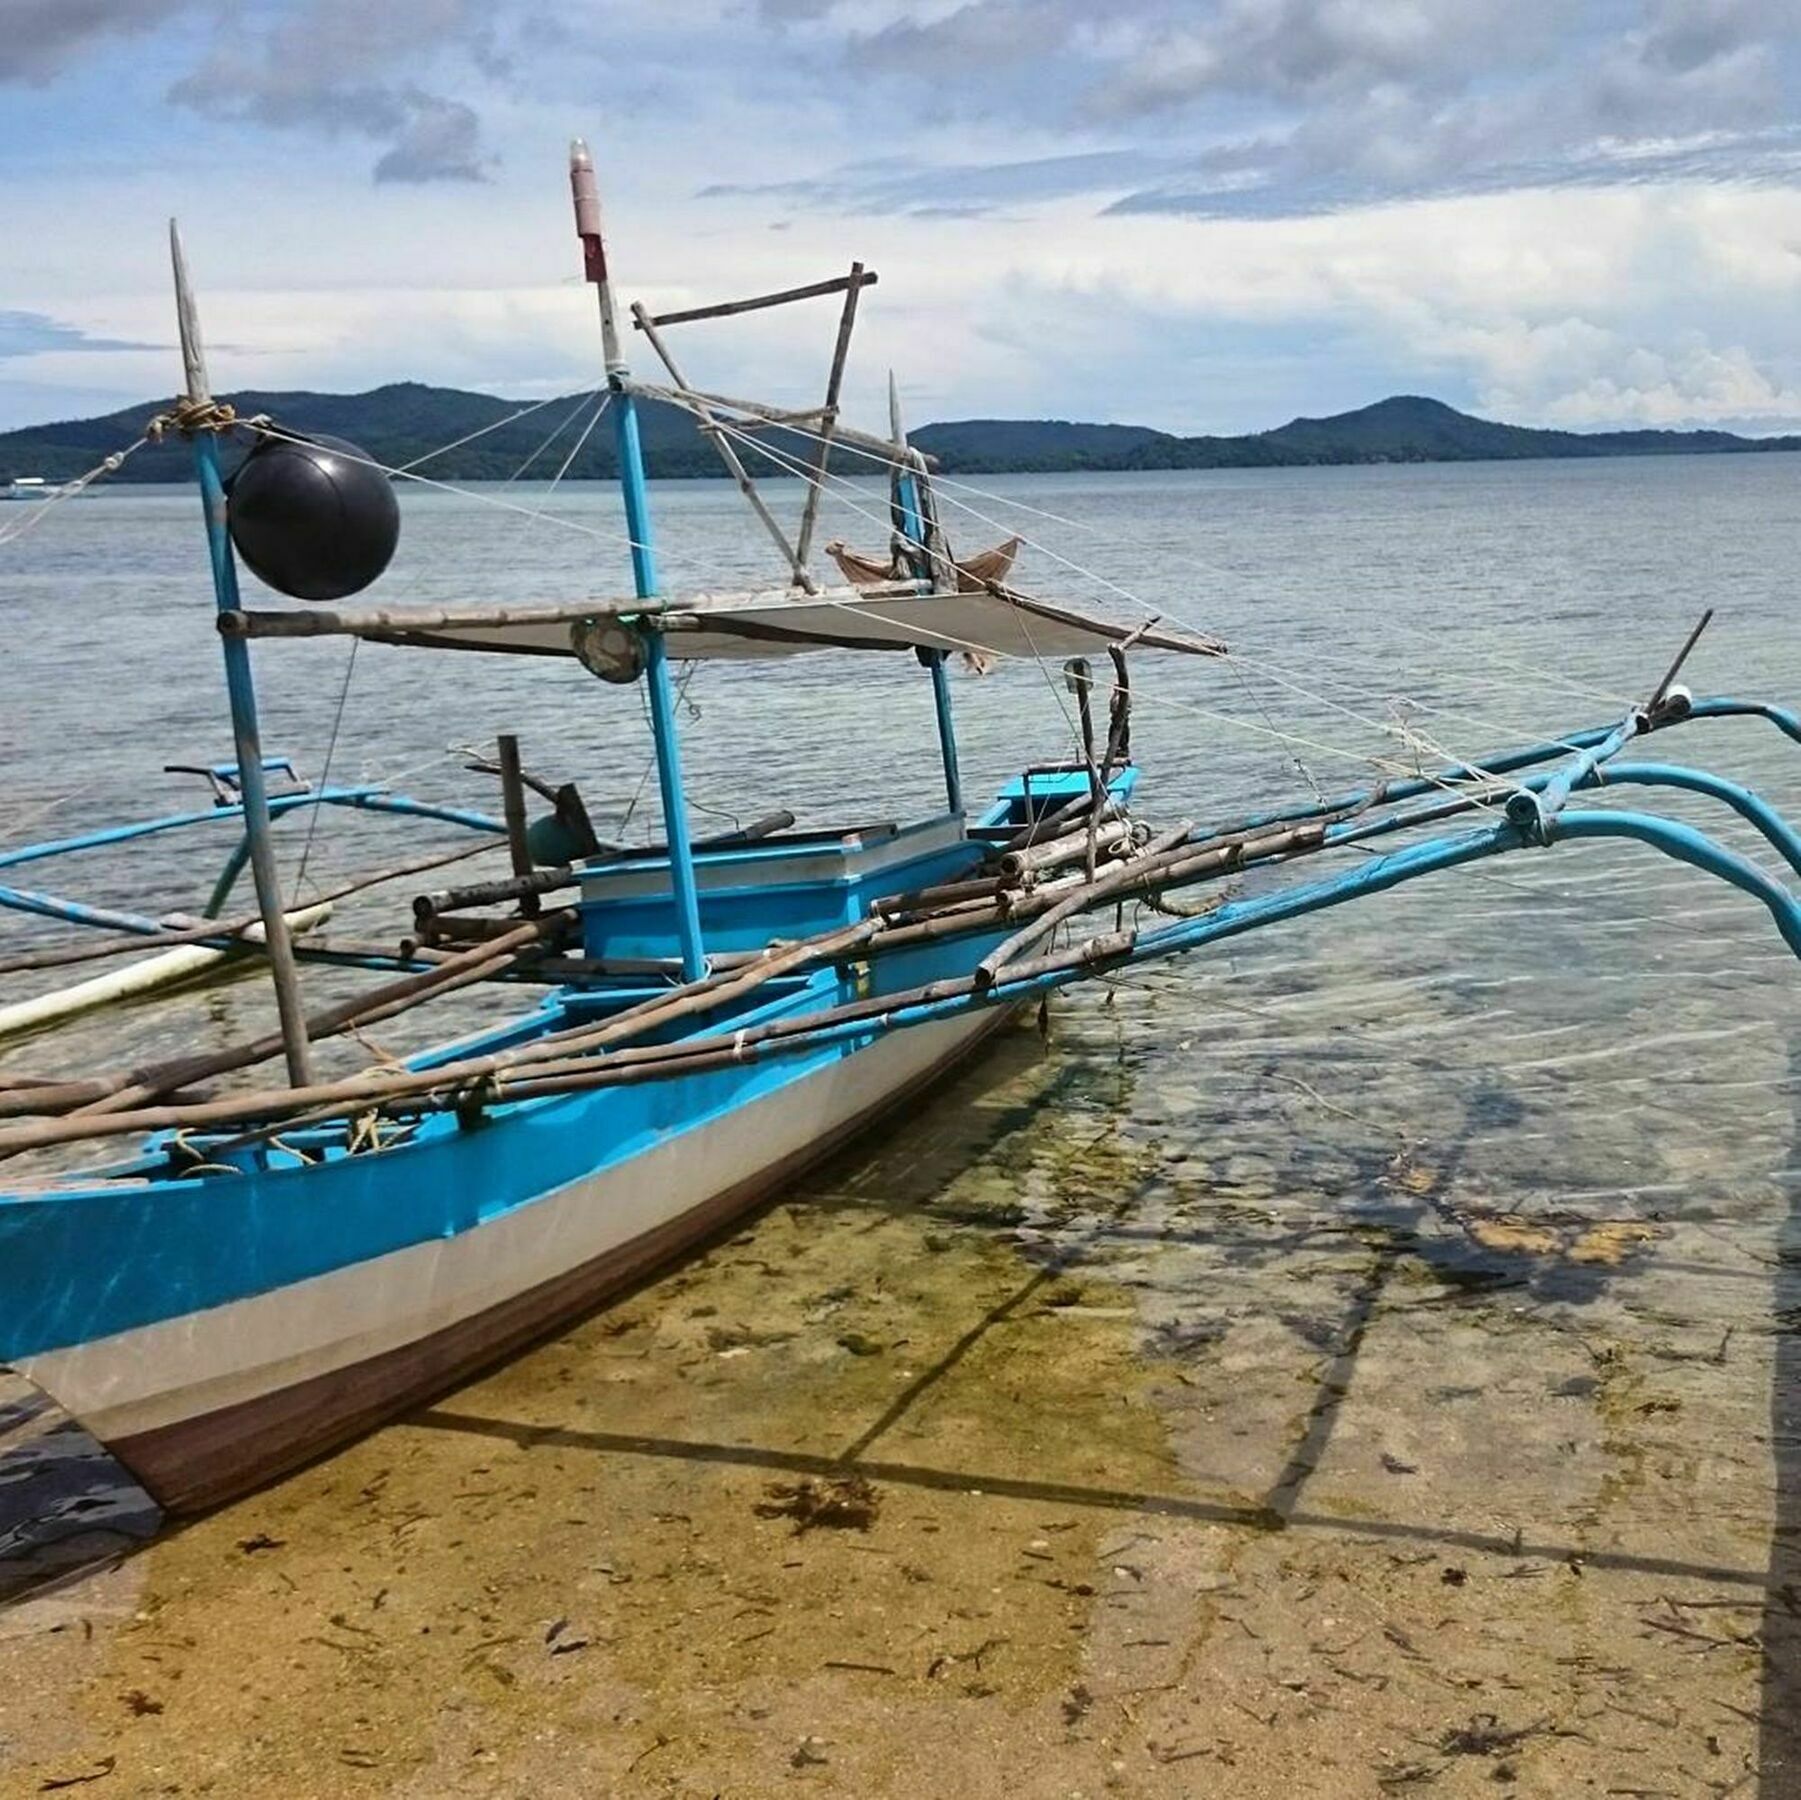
(1208, 215)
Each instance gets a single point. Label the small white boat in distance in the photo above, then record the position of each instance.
(30, 487)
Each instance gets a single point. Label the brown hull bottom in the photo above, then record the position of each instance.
(204, 1461)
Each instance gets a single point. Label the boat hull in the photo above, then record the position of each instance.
(209, 1404)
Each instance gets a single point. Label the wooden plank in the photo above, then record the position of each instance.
(859, 277)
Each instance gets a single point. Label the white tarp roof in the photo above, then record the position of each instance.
(999, 622)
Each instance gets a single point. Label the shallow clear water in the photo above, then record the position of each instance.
(1458, 1224)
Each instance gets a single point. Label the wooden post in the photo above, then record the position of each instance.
(512, 802)
(240, 688)
(728, 455)
(833, 387)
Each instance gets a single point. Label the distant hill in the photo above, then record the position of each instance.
(407, 421)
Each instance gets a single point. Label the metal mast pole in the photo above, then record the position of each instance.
(240, 689)
(644, 568)
(912, 518)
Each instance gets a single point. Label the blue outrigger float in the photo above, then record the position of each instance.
(270, 1273)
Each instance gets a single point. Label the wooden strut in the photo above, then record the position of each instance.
(833, 387)
(130, 1088)
(858, 277)
(207, 930)
(880, 449)
(567, 875)
(883, 932)
(1675, 668)
(512, 801)
(117, 1102)
(795, 559)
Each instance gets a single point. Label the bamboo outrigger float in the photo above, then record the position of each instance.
(288, 1265)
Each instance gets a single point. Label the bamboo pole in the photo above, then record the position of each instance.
(226, 931)
(796, 561)
(240, 687)
(362, 1090)
(129, 1088)
(1122, 876)
(158, 971)
(878, 447)
(834, 386)
(812, 291)
(1067, 846)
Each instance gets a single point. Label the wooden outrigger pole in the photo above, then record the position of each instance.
(239, 686)
(644, 567)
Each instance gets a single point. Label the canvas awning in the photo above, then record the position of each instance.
(996, 622)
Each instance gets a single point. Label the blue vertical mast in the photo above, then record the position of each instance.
(644, 567)
(239, 687)
(911, 519)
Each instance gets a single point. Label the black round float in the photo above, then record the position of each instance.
(314, 520)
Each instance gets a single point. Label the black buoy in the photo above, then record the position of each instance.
(315, 520)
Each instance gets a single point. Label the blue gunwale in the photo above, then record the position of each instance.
(182, 1244)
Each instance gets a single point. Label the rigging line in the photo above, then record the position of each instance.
(1256, 700)
(1363, 758)
(45, 808)
(1134, 599)
(462, 493)
(69, 490)
(1325, 700)
(587, 432)
(1541, 676)
(469, 437)
(1405, 733)
(631, 806)
(331, 749)
(1475, 683)
(1277, 671)
(552, 435)
(1523, 667)
(945, 562)
(1156, 699)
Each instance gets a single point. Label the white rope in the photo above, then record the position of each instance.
(41, 509)
(939, 481)
(1363, 758)
(945, 563)
(576, 449)
(525, 412)
(462, 493)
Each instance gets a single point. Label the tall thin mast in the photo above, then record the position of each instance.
(913, 530)
(644, 567)
(239, 687)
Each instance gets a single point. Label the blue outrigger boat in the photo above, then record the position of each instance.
(269, 1273)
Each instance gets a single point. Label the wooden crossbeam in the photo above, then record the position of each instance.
(837, 285)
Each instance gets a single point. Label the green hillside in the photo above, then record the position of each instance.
(407, 421)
